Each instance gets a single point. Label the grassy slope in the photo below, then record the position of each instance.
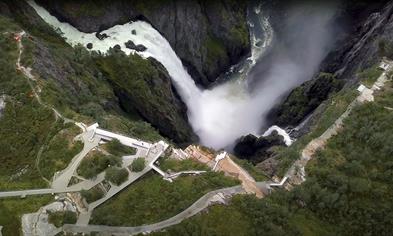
(152, 199)
(24, 124)
(59, 151)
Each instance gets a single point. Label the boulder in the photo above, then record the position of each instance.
(256, 149)
(131, 45)
(101, 36)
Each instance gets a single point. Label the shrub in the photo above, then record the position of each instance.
(59, 218)
(116, 148)
(370, 75)
(116, 175)
(91, 166)
(138, 164)
(93, 194)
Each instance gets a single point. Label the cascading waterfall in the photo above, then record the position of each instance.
(218, 115)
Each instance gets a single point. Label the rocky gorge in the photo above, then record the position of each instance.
(338, 67)
(365, 35)
(208, 36)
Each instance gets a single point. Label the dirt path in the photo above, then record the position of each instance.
(27, 72)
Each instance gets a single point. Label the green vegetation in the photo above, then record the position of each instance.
(333, 109)
(257, 174)
(140, 129)
(216, 51)
(385, 48)
(152, 199)
(95, 163)
(24, 124)
(116, 175)
(141, 86)
(304, 99)
(81, 91)
(240, 34)
(59, 218)
(174, 165)
(347, 191)
(59, 152)
(12, 209)
(245, 215)
(138, 164)
(116, 148)
(74, 180)
(93, 194)
(369, 76)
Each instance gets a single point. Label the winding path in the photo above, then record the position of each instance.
(201, 204)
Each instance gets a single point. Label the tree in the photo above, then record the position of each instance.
(116, 175)
(115, 147)
(138, 164)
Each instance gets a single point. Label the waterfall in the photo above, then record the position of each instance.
(221, 114)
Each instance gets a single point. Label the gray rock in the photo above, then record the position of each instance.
(140, 48)
(101, 36)
(269, 166)
(89, 45)
(38, 224)
(133, 32)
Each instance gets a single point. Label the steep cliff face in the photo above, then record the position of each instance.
(99, 87)
(208, 36)
(145, 86)
(367, 37)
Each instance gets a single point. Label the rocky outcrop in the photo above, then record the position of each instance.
(208, 36)
(269, 166)
(257, 149)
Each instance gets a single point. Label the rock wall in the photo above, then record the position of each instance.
(358, 47)
(208, 36)
(144, 86)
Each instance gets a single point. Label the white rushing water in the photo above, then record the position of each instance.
(218, 115)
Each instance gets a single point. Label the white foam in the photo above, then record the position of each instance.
(287, 139)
